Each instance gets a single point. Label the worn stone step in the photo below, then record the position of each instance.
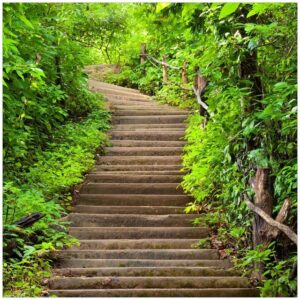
(140, 160)
(136, 173)
(150, 126)
(140, 143)
(148, 282)
(95, 83)
(142, 254)
(120, 93)
(133, 199)
(148, 106)
(144, 271)
(117, 220)
(152, 119)
(175, 292)
(144, 151)
(157, 210)
(137, 244)
(149, 112)
(136, 168)
(132, 188)
(133, 178)
(100, 263)
(146, 136)
(92, 233)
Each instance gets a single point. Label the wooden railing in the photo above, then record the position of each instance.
(199, 82)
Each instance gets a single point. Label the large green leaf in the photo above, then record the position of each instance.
(228, 9)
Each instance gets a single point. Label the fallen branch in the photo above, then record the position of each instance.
(285, 229)
(204, 105)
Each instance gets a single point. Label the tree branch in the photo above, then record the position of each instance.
(285, 229)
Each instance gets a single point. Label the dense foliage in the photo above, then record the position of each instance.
(53, 126)
(248, 54)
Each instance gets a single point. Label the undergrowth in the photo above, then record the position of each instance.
(47, 189)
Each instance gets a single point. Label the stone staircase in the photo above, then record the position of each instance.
(135, 238)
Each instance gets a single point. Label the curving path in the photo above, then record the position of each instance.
(135, 238)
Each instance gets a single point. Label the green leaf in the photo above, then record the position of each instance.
(161, 6)
(26, 21)
(228, 9)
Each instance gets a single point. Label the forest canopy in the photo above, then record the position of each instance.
(52, 123)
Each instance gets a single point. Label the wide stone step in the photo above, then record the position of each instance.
(146, 136)
(176, 292)
(141, 254)
(144, 271)
(132, 188)
(140, 143)
(150, 119)
(92, 233)
(149, 106)
(157, 210)
(133, 199)
(137, 244)
(132, 178)
(100, 263)
(148, 282)
(118, 220)
(120, 93)
(137, 173)
(116, 101)
(150, 126)
(136, 168)
(95, 83)
(140, 160)
(149, 112)
(144, 151)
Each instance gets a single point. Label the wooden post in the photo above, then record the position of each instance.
(164, 68)
(143, 53)
(197, 86)
(184, 78)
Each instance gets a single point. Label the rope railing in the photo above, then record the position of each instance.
(199, 83)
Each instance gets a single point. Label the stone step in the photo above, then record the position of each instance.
(157, 210)
(133, 178)
(148, 282)
(150, 119)
(137, 244)
(148, 106)
(165, 129)
(141, 254)
(147, 136)
(95, 83)
(135, 102)
(149, 112)
(140, 143)
(150, 126)
(100, 263)
(143, 151)
(118, 220)
(144, 271)
(133, 200)
(176, 292)
(127, 97)
(121, 93)
(136, 168)
(92, 233)
(132, 188)
(140, 160)
(136, 173)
